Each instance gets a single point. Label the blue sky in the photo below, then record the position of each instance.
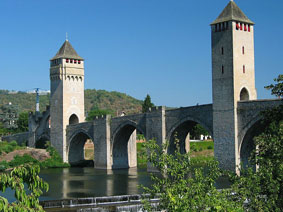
(138, 47)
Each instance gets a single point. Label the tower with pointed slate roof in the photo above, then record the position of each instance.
(67, 94)
(233, 78)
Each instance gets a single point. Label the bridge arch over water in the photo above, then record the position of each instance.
(182, 132)
(75, 151)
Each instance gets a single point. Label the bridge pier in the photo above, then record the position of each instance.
(155, 129)
(101, 139)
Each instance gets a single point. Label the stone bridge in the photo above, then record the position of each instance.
(115, 138)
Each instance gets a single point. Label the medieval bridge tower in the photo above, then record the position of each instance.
(67, 94)
(233, 77)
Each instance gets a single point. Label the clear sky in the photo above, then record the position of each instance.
(138, 47)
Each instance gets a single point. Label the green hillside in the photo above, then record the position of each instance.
(113, 101)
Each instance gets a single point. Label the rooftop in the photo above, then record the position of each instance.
(232, 13)
(67, 51)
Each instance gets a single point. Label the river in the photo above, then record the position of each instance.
(78, 182)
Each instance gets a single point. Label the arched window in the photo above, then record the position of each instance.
(73, 119)
(244, 95)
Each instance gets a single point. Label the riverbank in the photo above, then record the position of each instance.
(12, 155)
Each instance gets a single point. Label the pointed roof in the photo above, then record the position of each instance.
(67, 51)
(232, 13)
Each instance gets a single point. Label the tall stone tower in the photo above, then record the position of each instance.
(233, 78)
(67, 94)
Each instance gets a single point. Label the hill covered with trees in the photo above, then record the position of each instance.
(113, 101)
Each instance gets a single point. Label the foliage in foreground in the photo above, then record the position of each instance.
(184, 185)
(16, 180)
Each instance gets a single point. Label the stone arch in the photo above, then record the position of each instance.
(246, 146)
(128, 122)
(73, 119)
(244, 94)
(76, 156)
(181, 131)
(124, 153)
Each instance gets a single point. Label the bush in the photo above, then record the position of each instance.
(8, 146)
(182, 185)
(3, 165)
(20, 160)
(13, 143)
(209, 147)
(55, 161)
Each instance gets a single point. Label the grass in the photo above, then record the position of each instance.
(141, 155)
(201, 151)
(202, 145)
(89, 154)
(9, 147)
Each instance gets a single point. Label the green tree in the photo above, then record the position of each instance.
(198, 130)
(22, 122)
(97, 112)
(277, 89)
(182, 185)
(16, 180)
(147, 104)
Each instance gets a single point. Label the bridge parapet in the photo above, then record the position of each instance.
(259, 104)
(73, 129)
(100, 117)
(157, 108)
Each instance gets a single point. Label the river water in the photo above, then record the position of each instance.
(78, 182)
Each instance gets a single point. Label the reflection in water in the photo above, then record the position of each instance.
(89, 182)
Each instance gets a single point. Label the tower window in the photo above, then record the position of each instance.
(237, 26)
(222, 50)
(243, 50)
(79, 62)
(75, 61)
(249, 28)
(245, 27)
(222, 70)
(244, 69)
(241, 26)
(67, 60)
(71, 61)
